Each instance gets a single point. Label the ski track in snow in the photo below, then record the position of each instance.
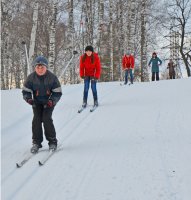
(72, 115)
(129, 153)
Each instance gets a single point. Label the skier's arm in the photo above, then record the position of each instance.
(132, 62)
(150, 62)
(56, 91)
(98, 68)
(160, 61)
(27, 90)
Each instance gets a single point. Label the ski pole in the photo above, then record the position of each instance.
(74, 53)
(28, 68)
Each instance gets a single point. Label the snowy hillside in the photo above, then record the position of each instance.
(135, 146)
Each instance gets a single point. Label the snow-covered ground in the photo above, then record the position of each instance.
(135, 146)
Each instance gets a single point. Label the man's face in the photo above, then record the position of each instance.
(89, 53)
(40, 69)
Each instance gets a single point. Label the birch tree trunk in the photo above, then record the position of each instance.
(70, 24)
(33, 36)
(100, 23)
(120, 37)
(144, 68)
(131, 25)
(111, 37)
(4, 44)
(71, 37)
(89, 25)
(52, 35)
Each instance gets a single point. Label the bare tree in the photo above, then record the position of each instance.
(144, 67)
(33, 35)
(179, 11)
(5, 16)
(52, 35)
(120, 32)
(111, 38)
(100, 23)
(89, 23)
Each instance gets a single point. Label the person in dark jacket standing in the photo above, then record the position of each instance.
(171, 67)
(156, 62)
(42, 90)
(90, 69)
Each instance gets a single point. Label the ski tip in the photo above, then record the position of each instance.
(18, 166)
(40, 163)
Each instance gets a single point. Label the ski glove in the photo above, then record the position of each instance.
(30, 101)
(93, 78)
(49, 104)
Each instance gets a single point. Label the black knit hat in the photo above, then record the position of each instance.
(89, 48)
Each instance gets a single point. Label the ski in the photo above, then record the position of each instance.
(25, 160)
(93, 108)
(46, 157)
(123, 84)
(81, 109)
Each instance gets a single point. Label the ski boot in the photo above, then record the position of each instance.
(52, 147)
(35, 148)
(84, 104)
(95, 103)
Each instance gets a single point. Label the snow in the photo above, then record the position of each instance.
(135, 146)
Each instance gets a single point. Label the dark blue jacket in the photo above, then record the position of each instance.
(42, 88)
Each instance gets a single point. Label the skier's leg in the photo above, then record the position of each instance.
(126, 76)
(49, 128)
(157, 76)
(173, 75)
(94, 91)
(131, 75)
(37, 132)
(86, 88)
(153, 76)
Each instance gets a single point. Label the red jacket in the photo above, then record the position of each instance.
(128, 62)
(87, 68)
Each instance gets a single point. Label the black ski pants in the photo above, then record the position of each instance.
(43, 116)
(155, 74)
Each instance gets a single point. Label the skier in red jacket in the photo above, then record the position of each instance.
(128, 63)
(90, 69)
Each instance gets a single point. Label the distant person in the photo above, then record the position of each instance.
(90, 70)
(156, 62)
(171, 68)
(128, 63)
(42, 91)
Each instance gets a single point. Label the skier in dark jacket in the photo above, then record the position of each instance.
(156, 62)
(171, 68)
(42, 90)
